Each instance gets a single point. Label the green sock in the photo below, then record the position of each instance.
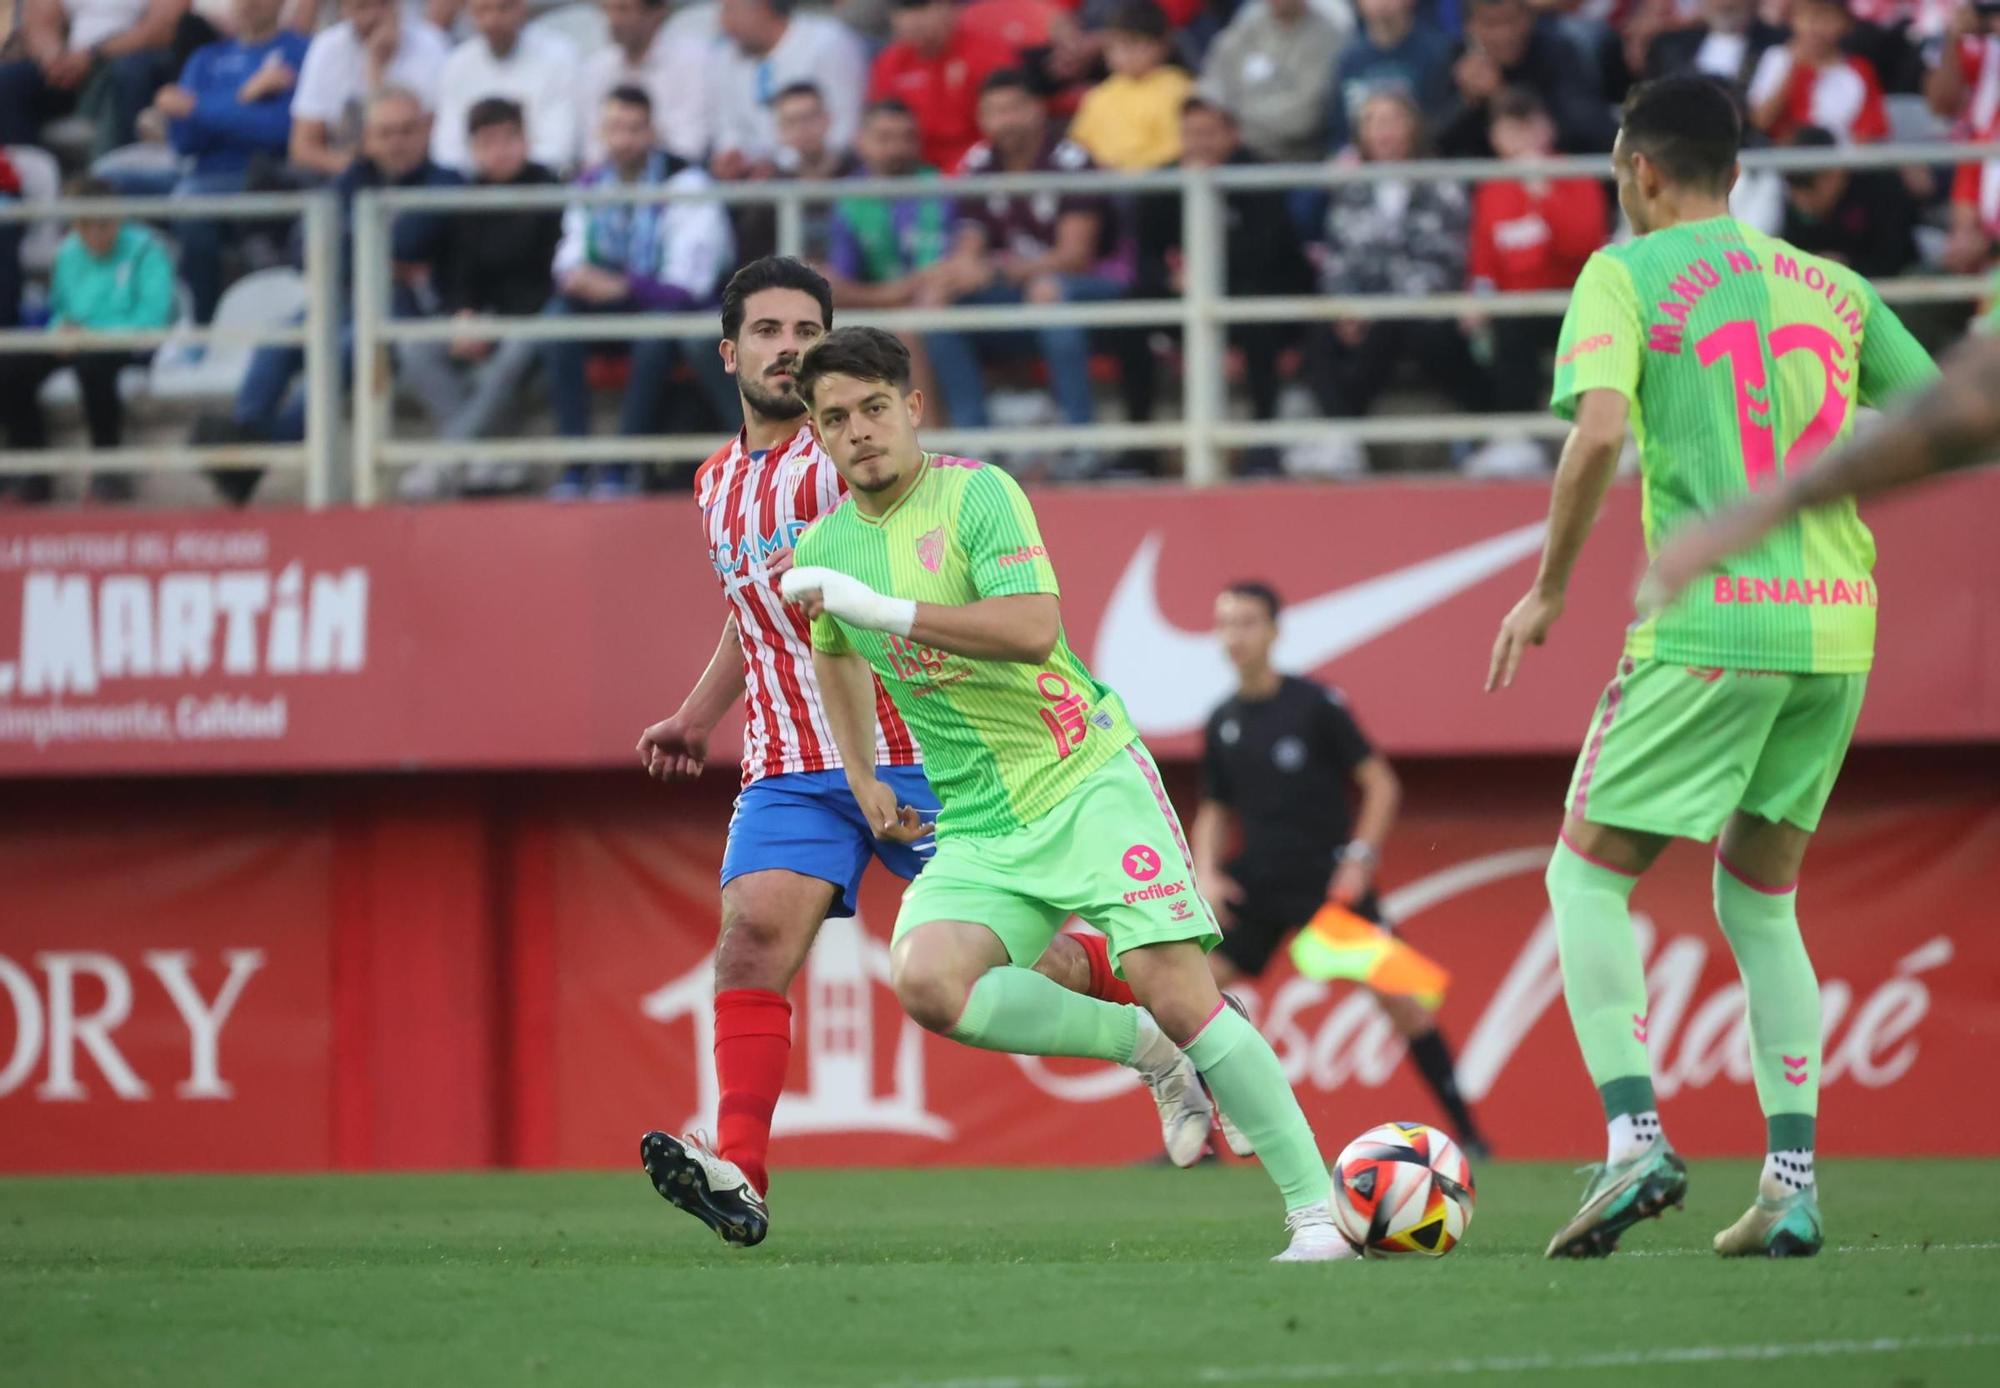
(1023, 1013)
(1603, 980)
(1249, 1084)
(1782, 997)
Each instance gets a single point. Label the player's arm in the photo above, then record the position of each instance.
(847, 690)
(1597, 379)
(676, 748)
(1214, 827)
(1953, 425)
(1589, 462)
(1381, 792)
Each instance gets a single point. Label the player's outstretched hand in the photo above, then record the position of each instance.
(1695, 549)
(818, 589)
(673, 750)
(1527, 625)
(897, 823)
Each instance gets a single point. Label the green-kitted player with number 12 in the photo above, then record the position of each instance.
(1736, 359)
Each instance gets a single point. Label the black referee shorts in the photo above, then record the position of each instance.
(1271, 909)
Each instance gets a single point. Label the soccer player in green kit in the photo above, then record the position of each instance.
(934, 575)
(1735, 359)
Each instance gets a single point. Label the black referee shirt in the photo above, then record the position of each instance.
(1285, 765)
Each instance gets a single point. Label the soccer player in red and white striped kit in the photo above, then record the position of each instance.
(798, 844)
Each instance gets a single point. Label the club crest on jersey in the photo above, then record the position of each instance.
(930, 549)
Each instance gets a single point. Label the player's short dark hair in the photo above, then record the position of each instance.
(799, 88)
(1009, 79)
(626, 94)
(772, 272)
(1846, 10)
(866, 354)
(89, 185)
(494, 110)
(888, 106)
(1689, 126)
(1518, 103)
(1258, 591)
(1140, 18)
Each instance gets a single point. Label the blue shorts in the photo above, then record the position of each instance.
(807, 822)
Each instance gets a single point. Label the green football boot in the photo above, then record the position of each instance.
(1783, 1223)
(1618, 1197)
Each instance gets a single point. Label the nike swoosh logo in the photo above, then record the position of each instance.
(1171, 679)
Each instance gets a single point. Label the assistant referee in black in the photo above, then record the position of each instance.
(1282, 757)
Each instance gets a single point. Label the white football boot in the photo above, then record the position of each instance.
(1186, 1115)
(688, 1173)
(1315, 1237)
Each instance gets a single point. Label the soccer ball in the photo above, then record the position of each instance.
(1402, 1188)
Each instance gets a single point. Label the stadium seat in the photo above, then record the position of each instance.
(582, 24)
(266, 299)
(41, 181)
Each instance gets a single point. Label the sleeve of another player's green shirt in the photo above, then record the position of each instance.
(1599, 348)
(1893, 363)
(997, 534)
(813, 548)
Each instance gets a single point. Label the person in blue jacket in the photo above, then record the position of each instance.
(230, 110)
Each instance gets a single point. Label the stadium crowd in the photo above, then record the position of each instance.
(164, 97)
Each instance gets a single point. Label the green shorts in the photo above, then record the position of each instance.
(1676, 749)
(1112, 852)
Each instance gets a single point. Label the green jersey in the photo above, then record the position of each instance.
(1743, 358)
(1003, 742)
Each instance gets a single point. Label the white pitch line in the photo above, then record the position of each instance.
(1497, 1364)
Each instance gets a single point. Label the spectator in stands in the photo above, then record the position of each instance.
(935, 67)
(1022, 249)
(804, 152)
(882, 252)
(1263, 259)
(885, 253)
(1273, 68)
(668, 59)
(804, 149)
(1507, 45)
(767, 49)
(1964, 88)
(110, 275)
(1864, 219)
(376, 47)
(1811, 81)
(1529, 234)
(634, 258)
(534, 68)
(230, 110)
(1395, 50)
(1727, 44)
(491, 262)
(1132, 119)
(1404, 237)
(10, 246)
(101, 58)
(395, 139)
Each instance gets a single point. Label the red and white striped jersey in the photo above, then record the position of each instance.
(753, 510)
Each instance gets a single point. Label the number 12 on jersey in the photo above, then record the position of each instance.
(1745, 348)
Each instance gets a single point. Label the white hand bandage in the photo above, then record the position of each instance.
(849, 599)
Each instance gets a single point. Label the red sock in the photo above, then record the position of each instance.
(1104, 983)
(753, 1044)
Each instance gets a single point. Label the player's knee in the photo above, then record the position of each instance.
(933, 997)
(756, 951)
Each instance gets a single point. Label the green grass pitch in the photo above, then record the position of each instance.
(971, 1279)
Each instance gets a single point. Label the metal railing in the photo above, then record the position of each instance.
(319, 336)
(1203, 313)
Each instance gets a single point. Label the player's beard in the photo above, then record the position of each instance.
(770, 404)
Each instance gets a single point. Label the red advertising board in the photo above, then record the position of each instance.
(526, 635)
(251, 975)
